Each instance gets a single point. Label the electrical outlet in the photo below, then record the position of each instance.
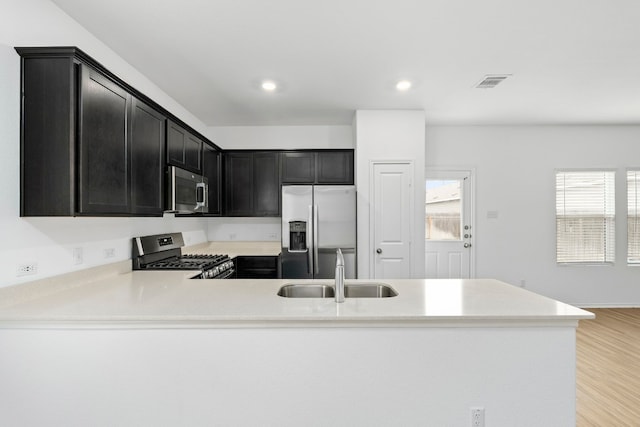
(109, 252)
(78, 256)
(272, 236)
(26, 269)
(477, 416)
(232, 236)
(523, 283)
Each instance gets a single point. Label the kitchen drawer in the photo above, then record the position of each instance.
(257, 267)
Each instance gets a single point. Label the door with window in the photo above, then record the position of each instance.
(448, 224)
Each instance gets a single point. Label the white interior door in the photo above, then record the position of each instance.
(392, 202)
(448, 225)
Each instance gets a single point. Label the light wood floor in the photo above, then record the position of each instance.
(608, 368)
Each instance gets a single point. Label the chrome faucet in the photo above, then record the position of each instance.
(339, 276)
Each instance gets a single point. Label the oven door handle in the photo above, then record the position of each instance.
(226, 274)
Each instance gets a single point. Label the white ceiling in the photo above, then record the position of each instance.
(573, 61)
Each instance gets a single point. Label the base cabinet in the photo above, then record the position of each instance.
(257, 267)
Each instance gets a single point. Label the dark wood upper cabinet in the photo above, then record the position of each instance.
(147, 141)
(183, 148)
(334, 167)
(252, 185)
(238, 184)
(47, 136)
(212, 170)
(266, 184)
(90, 144)
(103, 145)
(298, 167)
(317, 167)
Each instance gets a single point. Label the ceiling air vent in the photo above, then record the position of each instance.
(491, 80)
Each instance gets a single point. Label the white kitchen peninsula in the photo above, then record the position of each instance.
(156, 348)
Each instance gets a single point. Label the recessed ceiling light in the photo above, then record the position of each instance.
(403, 85)
(269, 86)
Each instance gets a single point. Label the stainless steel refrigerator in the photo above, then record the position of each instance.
(316, 221)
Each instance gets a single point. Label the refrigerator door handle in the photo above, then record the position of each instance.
(310, 244)
(316, 221)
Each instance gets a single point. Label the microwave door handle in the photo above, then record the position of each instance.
(203, 203)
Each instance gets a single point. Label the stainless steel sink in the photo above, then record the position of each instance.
(369, 290)
(361, 290)
(306, 291)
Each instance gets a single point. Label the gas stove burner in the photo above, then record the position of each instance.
(162, 252)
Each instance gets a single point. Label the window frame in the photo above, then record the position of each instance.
(605, 262)
(627, 216)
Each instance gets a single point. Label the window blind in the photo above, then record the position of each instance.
(633, 217)
(585, 217)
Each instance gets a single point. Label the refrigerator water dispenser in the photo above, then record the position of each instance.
(297, 236)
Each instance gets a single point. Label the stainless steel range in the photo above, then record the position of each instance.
(163, 252)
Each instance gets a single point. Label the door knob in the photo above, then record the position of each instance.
(467, 245)
(378, 251)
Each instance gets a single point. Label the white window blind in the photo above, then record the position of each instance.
(633, 217)
(585, 217)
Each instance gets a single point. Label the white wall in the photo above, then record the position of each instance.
(244, 229)
(49, 241)
(389, 135)
(280, 137)
(515, 177)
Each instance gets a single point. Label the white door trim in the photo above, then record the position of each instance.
(412, 215)
(431, 170)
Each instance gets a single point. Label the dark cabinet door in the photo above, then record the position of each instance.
(183, 149)
(193, 153)
(211, 169)
(334, 167)
(252, 185)
(266, 188)
(47, 158)
(147, 161)
(176, 139)
(103, 145)
(256, 267)
(298, 168)
(239, 184)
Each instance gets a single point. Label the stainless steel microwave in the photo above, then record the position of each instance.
(187, 192)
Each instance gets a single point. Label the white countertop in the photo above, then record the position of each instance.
(172, 299)
(236, 248)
